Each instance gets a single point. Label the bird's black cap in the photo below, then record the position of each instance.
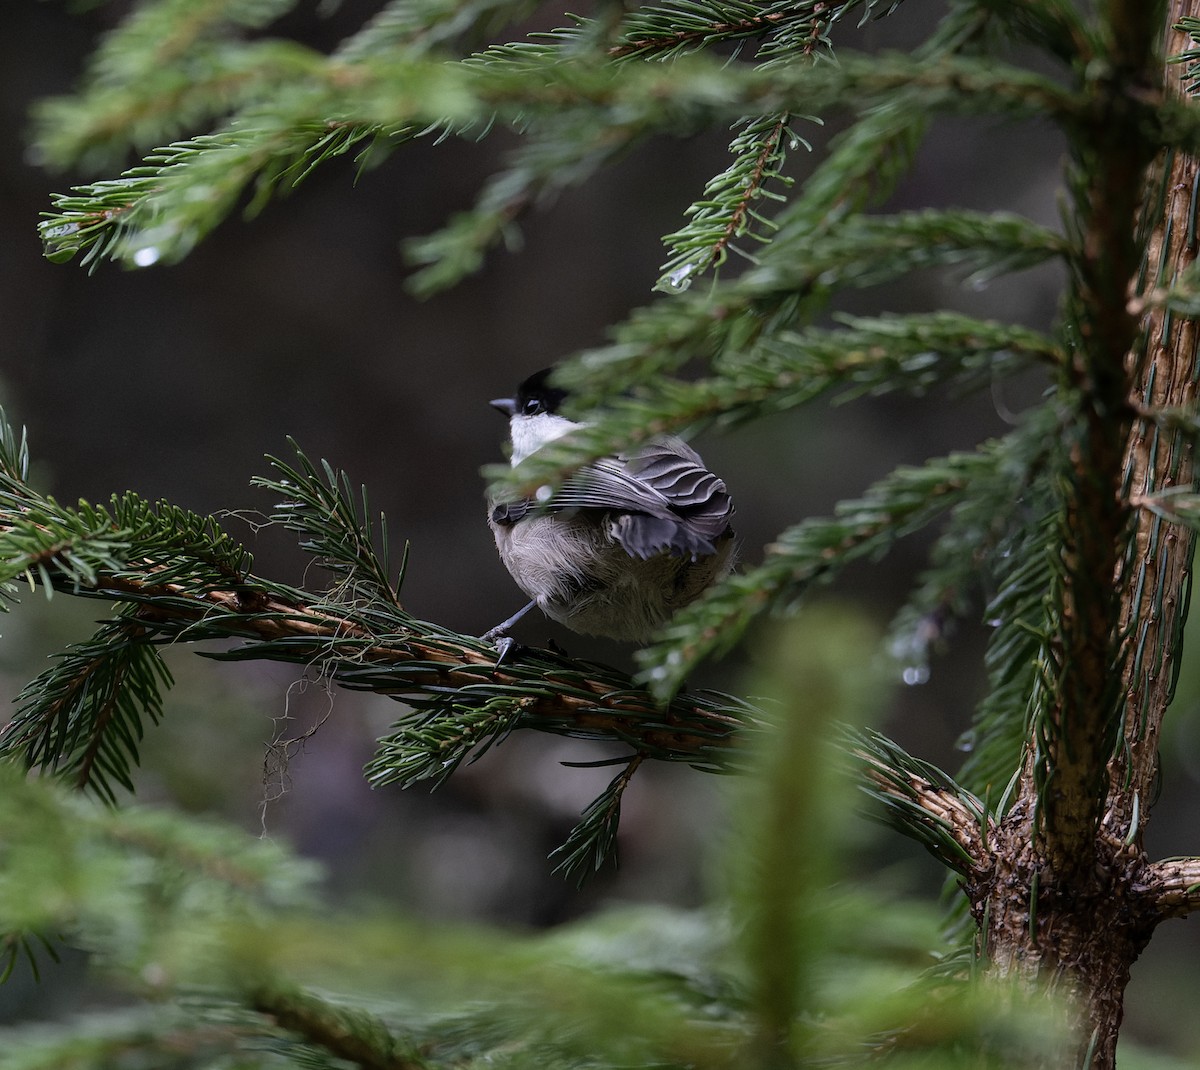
(534, 395)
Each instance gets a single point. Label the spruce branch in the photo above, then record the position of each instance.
(868, 356)
(683, 26)
(334, 527)
(158, 211)
(560, 153)
(1000, 726)
(861, 168)
(96, 129)
(175, 577)
(431, 745)
(922, 802)
(1173, 886)
(754, 313)
(784, 370)
(348, 1033)
(373, 649)
(728, 209)
(990, 244)
(811, 552)
(83, 717)
(863, 163)
(594, 839)
(170, 68)
(158, 33)
(732, 203)
(799, 270)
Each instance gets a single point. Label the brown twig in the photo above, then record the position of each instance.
(593, 701)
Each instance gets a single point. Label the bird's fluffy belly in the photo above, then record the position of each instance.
(580, 577)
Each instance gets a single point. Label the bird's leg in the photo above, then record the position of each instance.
(505, 645)
(501, 629)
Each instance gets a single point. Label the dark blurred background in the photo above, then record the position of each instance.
(175, 381)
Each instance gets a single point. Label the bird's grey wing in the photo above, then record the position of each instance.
(665, 497)
(676, 471)
(604, 485)
(508, 513)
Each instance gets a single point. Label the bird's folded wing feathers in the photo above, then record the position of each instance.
(691, 490)
(667, 500)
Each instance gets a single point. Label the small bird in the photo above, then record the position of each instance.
(624, 542)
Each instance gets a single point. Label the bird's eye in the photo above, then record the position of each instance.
(532, 407)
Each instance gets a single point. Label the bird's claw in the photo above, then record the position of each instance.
(506, 647)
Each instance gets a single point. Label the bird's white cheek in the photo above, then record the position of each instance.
(531, 433)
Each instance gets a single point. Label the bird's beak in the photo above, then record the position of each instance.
(508, 406)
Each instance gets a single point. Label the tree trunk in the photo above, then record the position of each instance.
(1076, 911)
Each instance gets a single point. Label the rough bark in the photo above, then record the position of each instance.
(1153, 579)
(1067, 894)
